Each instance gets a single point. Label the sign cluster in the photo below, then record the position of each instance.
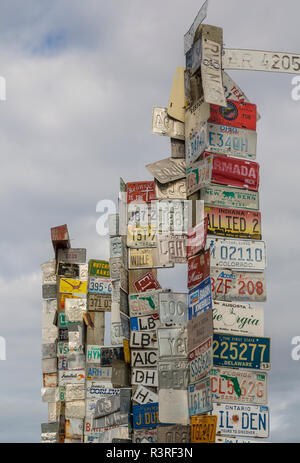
(181, 367)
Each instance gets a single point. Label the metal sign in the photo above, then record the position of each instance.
(173, 373)
(99, 285)
(116, 333)
(196, 131)
(177, 149)
(143, 358)
(140, 191)
(233, 91)
(93, 354)
(146, 282)
(239, 386)
(99, 302)
(143, 304)
(171, 190)
(71, 377)
(196, 238)
(237, 254)
(144, 436)
(172, 216)
(167, 170)
(144, 395)
(200, 298)
(145, 258)
(234, 223)
(201, 360)
(198, 269)
(69, 285)
(257, 60)
(141, 236)
(114, 419)
(238, 318)
(227, 285)
(234, 114)
(231, 141)
(117, 247)
(168, 413)
(144, 377)
(96, 373)
(234, 172)
(120, 376)
(72, 256)
(108, 354)
(163, 125)
(190, 35)
(95, 390)
(173, 308)
(177, 97)
(199, 329)
(199, 175)
(173, 434)
(172, 248)
(200, 398)
(145, 323)
(99, 268)
(237, 198)
(172, 342)
(193, 56)
(143, 340)
(49, 291)
(245, 420)
(211, 72)
(68, 270)
(241, 351)
(145, 416)
(203, 429)
(49, 273)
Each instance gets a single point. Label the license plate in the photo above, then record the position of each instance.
(235, 114)
(201, 360)
(143, 304)
(194, 56)
(143, 358)
(189, 36)
(140, 191)
(234, 172)
(167, 412)
(68, 270)
(240, 386)
(99, 268)
(172, 342)
(162, 124)
(143, 340)
(241, 351)
(145, 416)
(172, 216)
(203, 429)
(237, 198)
(99, 286)
(71, 377)
(199, 329)
(98, 389)
(146, 282)
(173, 308)
(144, 377)
(196, 238)
(200, 399)
(74, 256)
(199, 175)
(144, 395)
(233, 91)
(144, 436)
(238, 318)
(107, 405)
(172, 249)
(200, 298)
(237, 254)
(257, 60)
(245, 420)
(96, 373)
(196, 132)
(141, 237)
(228, 285)
(99, 302)
(145, 258)
(177, 149)
(173, 434)
(171, 190)
(141, 215)
(146, 323)
(211, 72)
(117, 247)
(198, 269)
(167, 170)
(231, 141)
(116, 333)
(173, 374)
(93, 354)
(234, 223)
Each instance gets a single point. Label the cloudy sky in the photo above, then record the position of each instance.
(82, 78)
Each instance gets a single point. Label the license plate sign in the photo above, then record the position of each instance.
(143, 340)
(99, 286)
(201, 361)
(237, 198)
(141, 192)
(172, 249)
(234, 223)
(173, 374)
(199, 329)
(145, 258)
(141, 237)
(163, 125)
(196, 238)
(144, 377)
(146, 323)
(240, 386)
(198, 269)
(173, 308)
(237, 254)
(99, 302)
(147, 282)
(238, 318)
(143, 304)
(200, 298)
(199, 175)
(228, 285)
(235, 114)
(234, 172)
(231, 141)
(99, 268)
(167, 170)
(143, 358)
(145, 416)
(200, 400)
(245, 420)
(203, 429)
(172, 342)
(241, 351)
(171, 190)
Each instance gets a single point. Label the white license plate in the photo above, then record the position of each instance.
(231, 141)
(200, 400)
(237, 254)
(237, 198)
(238, 318)
(228, 285)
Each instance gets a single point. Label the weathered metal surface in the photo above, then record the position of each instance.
(145, 258)
(72, 286)
(99, 268)
(231, 141)
(54, 409)
(211, 72)
(144, 436)
(113, 224)
(49, 306)
(74, 429)
(49, 291)
(141, 236)
(108, 354)
(227, 285)
(162, 124)
(67, 270)
(99, 302)
(173, 373)
(75, 409)
(173, 308)
(234, 114)
(50, 394)
(172, 248)
(145, 416)
(203, 429)
(60, 237)
(234, 223)
(106, 406)
(117, 247)
(143, 340)
(74, 392)
(201, 360)
(96, 373)
(72, 255)
(95, 334)
(199, 175)
(114, 419)
(177, 149)
(71, 377)
(198, 268)
(168, 413)
(120, 376)
(200, 298)
(237, 254)
(140, 192)
(196, 131)
(176, 434)
(177, 97)
(172, 216)
(167, 170)
(222, 196)
(199, 329)
(245, 420)
(143, 358)
(145, 323)
(193, 56)
(200, 397)
(190, 35)
(74, 309)
(76, 361)
(238, 386)
(233, 91)
(143, 395)
(196, 238)
(144, 377)
(234, 172)
(99, 285)
(49, 379)
(49, 365)
(172, 342)
(171, 190)
(258, 60)
(116, 333)
(146, 282)
(238, 318)
(125, 323)
(49, 350)
(49, 272)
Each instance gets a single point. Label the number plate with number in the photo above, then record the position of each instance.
(99, 285)
(227, 285)
(234, 223)
(237, 254)
(200, 400)
(231, 141)
(203, 429)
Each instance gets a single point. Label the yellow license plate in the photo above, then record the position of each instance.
(203, 429)
(68, 285)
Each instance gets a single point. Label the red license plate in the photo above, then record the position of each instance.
(198, 268)
(235, 172)
(236, 114)
(141, 192)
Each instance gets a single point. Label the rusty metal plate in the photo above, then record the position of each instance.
(211, 72)
(99, 302)
(190, 34)
(60, 237)
(172, 248)
(167, 170)
(145, 258)
(162, 124)
(168, 413)
(177, 148)
(176, 434)
(143, 358)
(72, 255)
(144, 377)
(172, 342)
(199, 329)
(171, 190)
(238, 318)
(143, 340)
(228, 285)
(237, 198)
(144, 395)
(49, 365)
(74, 430)
(173, 374)
(173, 308)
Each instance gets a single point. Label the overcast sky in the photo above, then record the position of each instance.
(82, 78)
